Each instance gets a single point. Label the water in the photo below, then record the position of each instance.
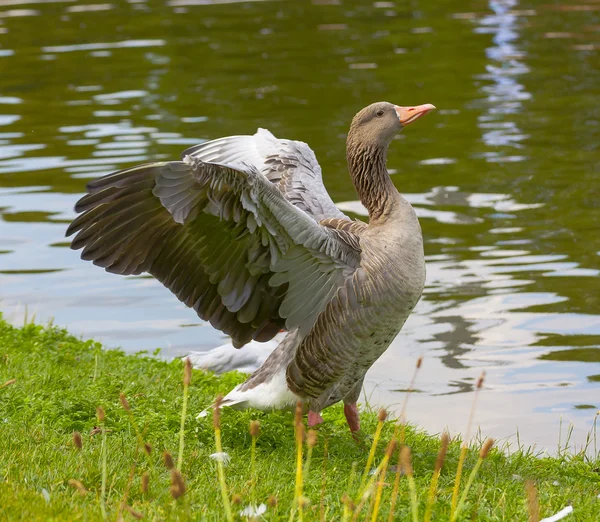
(504, 175)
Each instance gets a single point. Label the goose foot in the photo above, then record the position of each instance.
(351, 413)
(314, 418)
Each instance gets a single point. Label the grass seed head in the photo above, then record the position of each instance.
(124, 402)
(187, 372)
(168, 460)
(254, 428)
(419, 362)
(147, 448)
(8, 383)
(485, 449)
(217, 412)
(303, 502)
(298, 416)
(236, 499)
(390, 448)
(78, 486)
(480, 380)
(382, 415)
(145, 482)
(406, 461)
(100, 413)
(177, 484)
(272, 501)
(135, 514)
(77, 442)
(347, 501)
(441, 457)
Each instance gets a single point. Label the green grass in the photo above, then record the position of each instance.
(60, 381)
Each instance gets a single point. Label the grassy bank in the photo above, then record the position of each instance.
(59, 381)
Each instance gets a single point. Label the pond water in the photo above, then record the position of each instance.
(504, 175)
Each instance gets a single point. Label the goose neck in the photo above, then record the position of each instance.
(367, 166)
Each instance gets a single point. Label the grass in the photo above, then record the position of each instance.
(49, 472)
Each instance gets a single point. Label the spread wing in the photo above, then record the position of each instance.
(291, 165)
(225, 240)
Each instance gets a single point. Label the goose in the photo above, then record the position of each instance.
(243, 231)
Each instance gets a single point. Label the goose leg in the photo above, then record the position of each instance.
(351, 408)
(352, 418)
(314, 418)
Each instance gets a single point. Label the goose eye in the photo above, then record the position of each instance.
(380, 113)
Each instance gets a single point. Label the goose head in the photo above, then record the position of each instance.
(378, 123)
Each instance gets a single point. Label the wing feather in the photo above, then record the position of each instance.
(225, 240)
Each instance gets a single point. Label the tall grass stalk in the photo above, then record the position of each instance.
(400, 436)
(408, 471)
(346, 498)
(323, 480)
(439, 463)
(389, 451)
(465, 445)
(299, 432)
(365, 494)
(487, 446)
(402, 417)
(254, 431)
(127, 407)
(395, 489)
(220, 464)
(311, 442)
(380, 420)
(95, 368)
(187, 379)
(533, 505)
(123, 503)
(100, 415)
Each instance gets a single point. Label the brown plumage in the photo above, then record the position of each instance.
(243, 231)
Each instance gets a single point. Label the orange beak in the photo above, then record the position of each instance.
(407, 115)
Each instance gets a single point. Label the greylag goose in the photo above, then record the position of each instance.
(243, 231)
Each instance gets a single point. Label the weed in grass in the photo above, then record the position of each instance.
(168, 461)
(135, 514)
(145, 484)
(487, 446)
(187, 379)
(77, 442)
(220, 461)
(402, 417)
(465, 444)
(366, 492)
(311, 442)
(299, 437)
(439, 463)
(177, 484)
(123, 503)
(346, 501)
(407, 468)
(389, 451)
(323, 481)
(101, 416)
(380, 420)
(254, 432)
(78, 486)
